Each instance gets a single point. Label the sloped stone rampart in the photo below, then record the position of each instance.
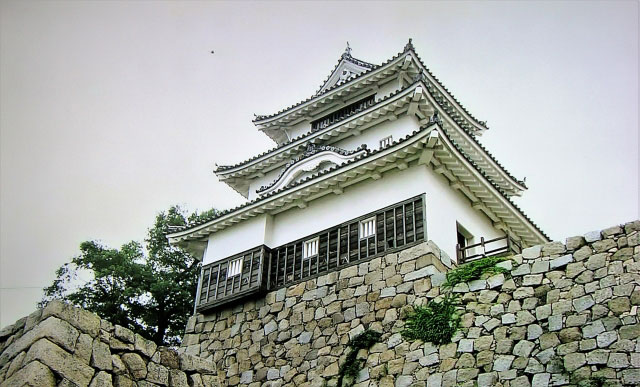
(564, 314)
(61, 345)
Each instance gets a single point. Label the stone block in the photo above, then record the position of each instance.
(177, 378)
(555, 322)
(33, 374)
(477, 285)
(495, 281)
(532, 252)
(102, 379)
(540, 267)
(507, 265)
(101, 355)
(503, 362)
(56, 330)
(605, 339)
(583, 303)
(60, 361)
(541, 380)
(523, 292)
(465, 345)
(592, 236)
(523, 348)
(593, 330)
(534, 331)
(619, 305)
(521, 270)
(618, 360)
(559, 262)
(79, 318)
(631, 376)
(573, 361)
(438, 279)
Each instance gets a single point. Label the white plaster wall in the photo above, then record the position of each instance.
(444, 206)
(238, 238)
(399, 128)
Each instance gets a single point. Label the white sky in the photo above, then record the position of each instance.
(113, 111)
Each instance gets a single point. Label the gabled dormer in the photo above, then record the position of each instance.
(347, 68)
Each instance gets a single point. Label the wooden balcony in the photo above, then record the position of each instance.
(396, 227)
(238, 276)
(262, 269)
(488, 248)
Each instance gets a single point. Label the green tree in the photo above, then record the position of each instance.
(150, 293)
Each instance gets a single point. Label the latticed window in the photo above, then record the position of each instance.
(235, 267)
(310, 248)
(367, 227)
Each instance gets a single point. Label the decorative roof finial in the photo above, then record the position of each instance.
(408, 46)
(347, 51)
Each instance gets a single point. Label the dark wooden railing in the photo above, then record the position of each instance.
(396, 227)
(218, 288)
(342, 113)
(488, 248)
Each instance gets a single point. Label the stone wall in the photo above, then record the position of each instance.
(563, 314)
(66, 346)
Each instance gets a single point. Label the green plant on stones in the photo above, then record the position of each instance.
(436, 322)
(352, 365)
(474, 270)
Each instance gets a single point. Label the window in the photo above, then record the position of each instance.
(367, 227)
(343, 113)
(310, 248)
(235, 267)
(464, 237)
(386, 141)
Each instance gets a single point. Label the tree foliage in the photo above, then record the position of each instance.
(150, 292)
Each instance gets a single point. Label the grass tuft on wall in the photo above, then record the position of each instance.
(474, 270)
(435, 322)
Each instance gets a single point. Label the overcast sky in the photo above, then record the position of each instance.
(113, 111)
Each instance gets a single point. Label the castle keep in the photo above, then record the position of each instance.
(381, 158)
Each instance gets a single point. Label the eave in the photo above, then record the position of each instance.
(407, 100)
(406, 63)
(395, 104)
(421, 147)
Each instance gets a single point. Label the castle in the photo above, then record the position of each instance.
(379, 159)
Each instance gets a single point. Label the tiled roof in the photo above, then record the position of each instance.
(348, 57)
(222, 168)
(358, 158)
(264, 117)
(521, 182)
(408, 47)
(459, 149)
(447, 90)
(304, 180)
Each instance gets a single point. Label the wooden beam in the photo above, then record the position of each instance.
(425, 157)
